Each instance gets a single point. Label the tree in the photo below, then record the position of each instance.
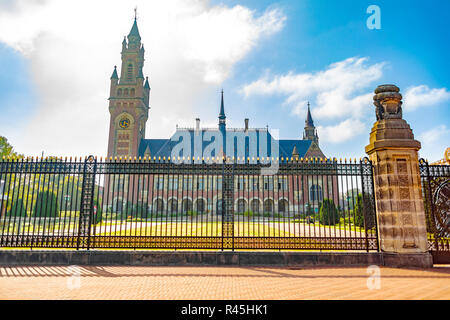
(328, 214)
(6, 149)
(46, 205)
(17, 209)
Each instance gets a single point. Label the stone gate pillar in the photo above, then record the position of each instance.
(398, 192)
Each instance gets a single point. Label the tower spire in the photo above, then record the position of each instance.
(222, 117)
(309, 121)
(310, 130)
(222, 109)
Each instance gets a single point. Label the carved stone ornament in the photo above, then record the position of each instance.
(388, 102)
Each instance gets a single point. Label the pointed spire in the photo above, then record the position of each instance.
(295, 152)
(135, 30)
(114, 74)
(222, 109)
(309, 121)
(146, 85)
(310, 132)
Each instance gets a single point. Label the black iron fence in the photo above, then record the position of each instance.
(436, 194)
(156, 203)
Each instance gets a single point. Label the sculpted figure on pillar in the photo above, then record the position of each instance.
(388, 102)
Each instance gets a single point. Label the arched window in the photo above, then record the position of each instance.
(132, 92)
(200, 205)
(159, 205)
(125, 92)
(283, 206)
(130, 72)
(242, 205)
(268, 206)
(255, 205)
(173, 205)
(119, 92)
(315, 193)
(187, 205)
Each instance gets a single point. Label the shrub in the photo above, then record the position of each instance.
(328, 213)
(248, 214)
(359, 216)
(46, 205)
(192, 213)
(17, 209)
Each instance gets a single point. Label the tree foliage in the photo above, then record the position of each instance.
(46, 205)
(17, 209)
(328, 214)
(7, 150)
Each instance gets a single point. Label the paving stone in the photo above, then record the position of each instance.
(224, 282)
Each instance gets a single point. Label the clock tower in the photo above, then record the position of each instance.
(128, 99)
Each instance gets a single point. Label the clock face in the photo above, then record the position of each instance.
(124, 123)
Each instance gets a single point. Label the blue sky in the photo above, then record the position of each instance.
(261, 59)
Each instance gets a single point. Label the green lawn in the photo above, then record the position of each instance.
(186, 229)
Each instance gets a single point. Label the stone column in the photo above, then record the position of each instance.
(398, 191)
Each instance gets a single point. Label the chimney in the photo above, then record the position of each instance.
(246, 125)
(197, 125)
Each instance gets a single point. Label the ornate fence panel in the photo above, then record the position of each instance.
(289, 204)
(436, 195)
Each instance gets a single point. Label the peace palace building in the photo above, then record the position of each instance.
(129, 110)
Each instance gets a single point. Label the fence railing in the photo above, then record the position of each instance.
(147, 203)
(436, 194)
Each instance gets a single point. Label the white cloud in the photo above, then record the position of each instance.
(342, 92)
(433, 142)
(423, 96)
(341, 132)
(72, 45)
(434, 135)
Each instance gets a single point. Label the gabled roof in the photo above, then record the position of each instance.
(287, 146)
(158, 147)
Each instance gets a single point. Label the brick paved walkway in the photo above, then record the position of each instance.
(221, 283)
